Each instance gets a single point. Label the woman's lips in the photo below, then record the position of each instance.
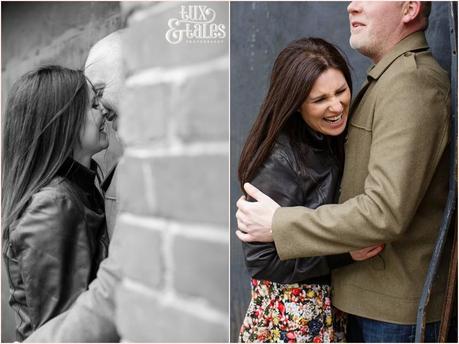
(336, 121)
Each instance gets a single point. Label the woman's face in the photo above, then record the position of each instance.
(326, 109)
(93, 136)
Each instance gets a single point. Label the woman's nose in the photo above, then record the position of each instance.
(336, 107)
(106, 112)
(103, 110)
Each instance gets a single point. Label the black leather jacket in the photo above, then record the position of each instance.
(55, 247)
(309, 180)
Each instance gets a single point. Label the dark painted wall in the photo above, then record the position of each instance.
(36, 33)
(259, 30)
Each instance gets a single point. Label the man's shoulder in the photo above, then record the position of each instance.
(416, 74)
(430, 69)
(418, 66)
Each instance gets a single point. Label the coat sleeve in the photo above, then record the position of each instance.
(48, 245)
(278, 180)
(409, 136)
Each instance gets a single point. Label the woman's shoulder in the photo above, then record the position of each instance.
(58, 189)
(54, 202)
(282, 146)
(282, 151)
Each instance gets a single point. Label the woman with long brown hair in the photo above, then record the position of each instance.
(294, 153)
(53, 219)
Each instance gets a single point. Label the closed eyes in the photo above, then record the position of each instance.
(96, 99)
(321, 99)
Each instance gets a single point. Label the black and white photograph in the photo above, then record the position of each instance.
(115, 172)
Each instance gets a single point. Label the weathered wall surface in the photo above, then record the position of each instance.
(173, 182)
(34, 34)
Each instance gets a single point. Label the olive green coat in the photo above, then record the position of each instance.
(393, 190)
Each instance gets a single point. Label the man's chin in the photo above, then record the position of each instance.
(355, 43)
(361, 47)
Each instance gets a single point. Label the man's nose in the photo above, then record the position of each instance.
(354, 7)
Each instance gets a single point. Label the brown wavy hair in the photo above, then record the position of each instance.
(293, 75)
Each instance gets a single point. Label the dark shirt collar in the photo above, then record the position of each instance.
(316, 139)
(80, 175)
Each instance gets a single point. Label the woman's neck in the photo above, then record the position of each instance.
(83, 159)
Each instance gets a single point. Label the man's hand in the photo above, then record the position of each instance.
(254, 219)
(367, 252)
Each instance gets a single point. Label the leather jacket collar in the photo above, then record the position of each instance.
(315, 139)
(81, 175)
(84, 179)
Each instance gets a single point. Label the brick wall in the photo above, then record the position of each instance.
(35, 34)
(173, 182)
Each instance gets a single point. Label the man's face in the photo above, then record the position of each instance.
(104, 70)
(374, 26)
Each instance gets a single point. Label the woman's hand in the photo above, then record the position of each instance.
(367, 252)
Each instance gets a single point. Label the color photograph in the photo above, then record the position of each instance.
(340, 119)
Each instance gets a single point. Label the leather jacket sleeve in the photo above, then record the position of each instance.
(278, 179)
(47, 245)
(92, 317)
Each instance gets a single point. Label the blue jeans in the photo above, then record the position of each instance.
(365, 330)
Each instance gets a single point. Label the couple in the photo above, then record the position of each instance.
(369, 254)
(54, 222)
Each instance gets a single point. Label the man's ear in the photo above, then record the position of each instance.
(410, 11)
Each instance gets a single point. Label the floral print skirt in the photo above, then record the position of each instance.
(290, 313)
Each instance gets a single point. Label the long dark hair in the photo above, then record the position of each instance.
(45, 112)
(294, 72)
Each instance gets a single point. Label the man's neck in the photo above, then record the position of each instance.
(390, 47)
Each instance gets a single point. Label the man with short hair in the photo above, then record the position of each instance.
(92, 317)
(104, 68)
(394, 184)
